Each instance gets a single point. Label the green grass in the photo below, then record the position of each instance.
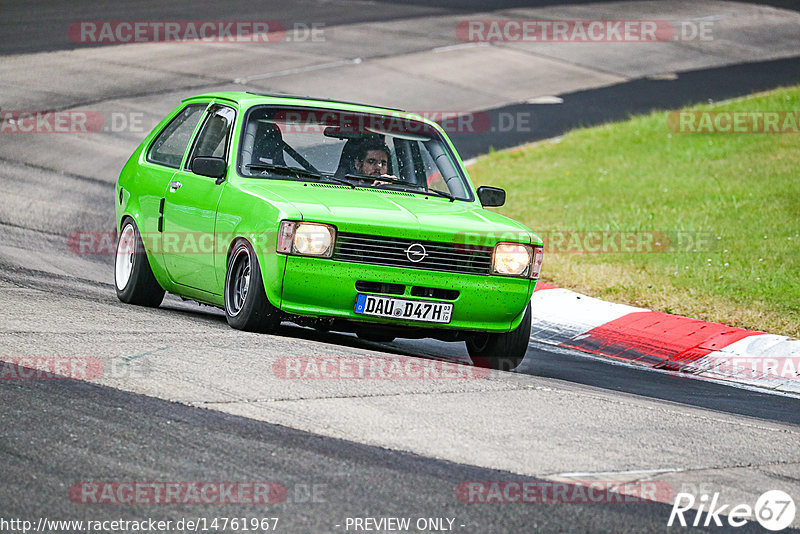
(741, 191)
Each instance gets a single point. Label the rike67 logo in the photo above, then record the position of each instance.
(774, 510)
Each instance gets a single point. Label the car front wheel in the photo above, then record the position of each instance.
(501, 351)
(246, 304)
(133, 278)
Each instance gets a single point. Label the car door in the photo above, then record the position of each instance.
(162, 161)
(190, 208)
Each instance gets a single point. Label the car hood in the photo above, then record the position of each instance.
(397, 213)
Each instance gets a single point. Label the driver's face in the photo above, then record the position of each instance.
(375, 163)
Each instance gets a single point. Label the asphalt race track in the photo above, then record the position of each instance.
(184, 398)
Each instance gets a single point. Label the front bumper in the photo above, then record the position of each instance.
(321, 287)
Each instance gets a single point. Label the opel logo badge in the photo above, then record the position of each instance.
(416, 253)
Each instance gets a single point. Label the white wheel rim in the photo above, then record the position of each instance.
(126, 249)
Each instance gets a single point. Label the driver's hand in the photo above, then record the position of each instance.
(382, 182)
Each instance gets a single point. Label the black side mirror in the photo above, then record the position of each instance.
(491, 197)
(211, 167)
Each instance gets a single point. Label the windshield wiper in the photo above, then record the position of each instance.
(419, 188)
(298, 173)
(394, 181)
(389, 179)
(441, 194)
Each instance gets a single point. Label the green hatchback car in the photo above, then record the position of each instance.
(333, 215)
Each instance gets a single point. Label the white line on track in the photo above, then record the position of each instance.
(298, 70)
(630, 472)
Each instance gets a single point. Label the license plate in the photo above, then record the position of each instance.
(412, 310)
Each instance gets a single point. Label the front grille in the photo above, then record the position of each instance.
(378, 250)
(380, 287)
(434, 293)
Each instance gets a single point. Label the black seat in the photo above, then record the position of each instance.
(263, 143)
(348, 157)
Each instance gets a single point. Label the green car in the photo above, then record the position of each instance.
(333, 215)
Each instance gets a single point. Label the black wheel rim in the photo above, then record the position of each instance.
(239, 282)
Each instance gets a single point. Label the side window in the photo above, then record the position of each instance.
(214, 137)
(170, 145)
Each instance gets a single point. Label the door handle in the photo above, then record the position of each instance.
(174, 186)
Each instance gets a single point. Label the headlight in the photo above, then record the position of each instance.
(511, 259)
(306, 239)
(517, 259)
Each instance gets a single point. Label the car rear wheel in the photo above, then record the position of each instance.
(501, 351)
(246, 304)
(133, 278)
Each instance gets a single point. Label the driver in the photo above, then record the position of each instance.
(372, 159)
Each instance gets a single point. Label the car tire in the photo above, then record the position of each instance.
(501, 351)
(375, 337)
(246, 304)
(133, 277)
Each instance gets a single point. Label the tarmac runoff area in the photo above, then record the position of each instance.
(573, 419)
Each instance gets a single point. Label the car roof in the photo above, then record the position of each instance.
(248, 99)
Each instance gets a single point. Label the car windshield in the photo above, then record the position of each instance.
(353, 149)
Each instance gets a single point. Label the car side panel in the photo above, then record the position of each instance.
(242, 215)
(142, 187)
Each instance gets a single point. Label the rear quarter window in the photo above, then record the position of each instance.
(170, 145)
